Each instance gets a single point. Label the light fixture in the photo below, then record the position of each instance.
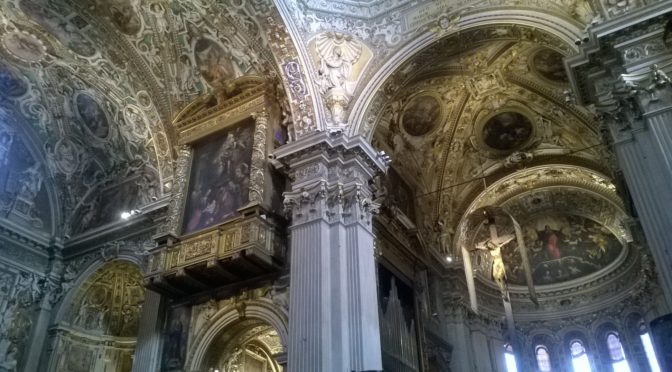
(449, 258)
(128, 214)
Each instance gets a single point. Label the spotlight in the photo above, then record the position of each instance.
(128, 214)
(449, 259)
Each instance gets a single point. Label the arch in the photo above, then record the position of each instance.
(565, 30)
(260, 309)
(82, 277)
(98, 321)
(13, 118)
(543, 357)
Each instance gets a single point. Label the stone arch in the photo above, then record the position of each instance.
(96, 325)
(563, 29)
(83, 276)
(13, 120)
(264, 311)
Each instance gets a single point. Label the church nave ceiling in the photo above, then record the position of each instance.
(98, 83)
(486, 117)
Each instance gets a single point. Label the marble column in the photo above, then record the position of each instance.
(333, 306)
(621, 71)
(148, 347)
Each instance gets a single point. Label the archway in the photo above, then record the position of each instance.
(242, 336)
(99, 330)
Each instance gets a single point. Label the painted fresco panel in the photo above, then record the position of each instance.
(562, 248)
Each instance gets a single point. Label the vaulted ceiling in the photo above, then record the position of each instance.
(89, 89)
(470, 99)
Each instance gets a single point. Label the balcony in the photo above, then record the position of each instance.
(236, 251)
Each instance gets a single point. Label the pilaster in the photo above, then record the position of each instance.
(623, 72)
(333, 309)
(148, 347)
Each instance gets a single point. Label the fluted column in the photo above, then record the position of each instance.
(148, 348)
(333, 306)
(623, 71)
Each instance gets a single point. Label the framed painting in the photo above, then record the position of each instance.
(219, 180)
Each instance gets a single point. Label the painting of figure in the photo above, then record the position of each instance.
(214, 64)
(92, 115)
(562, 248)
(548, 64)
(421, 115)
(219, 181)
(10, 83)
(507, 131)
(175, 339)
(123, 13)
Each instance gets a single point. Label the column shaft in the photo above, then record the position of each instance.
(148, 348)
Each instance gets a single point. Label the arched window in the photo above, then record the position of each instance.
(510, 359)
(543, 358)
(616, 353)
(579, 357)
(648, 347)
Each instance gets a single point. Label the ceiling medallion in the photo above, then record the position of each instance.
(24, 46)
(507, 131)
(422, 114)
(92, 115)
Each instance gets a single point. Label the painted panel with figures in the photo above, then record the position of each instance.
(220, 177)
(562, 248)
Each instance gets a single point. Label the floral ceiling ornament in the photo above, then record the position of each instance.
(337, 53)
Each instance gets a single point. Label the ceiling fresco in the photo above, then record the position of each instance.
(98, 83)
(468, 97)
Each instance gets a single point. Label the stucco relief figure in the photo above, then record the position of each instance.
(337, 53)
(658, 80)
(187, 73)
(213, 62)
(9, 364)
(30, 182)
(159, 13)
(334, 70)
(5, 146)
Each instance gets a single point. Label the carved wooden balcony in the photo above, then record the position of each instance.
(239, 250)
(217, 232)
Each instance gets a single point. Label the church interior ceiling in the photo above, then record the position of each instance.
(89, 89)
(475, 105)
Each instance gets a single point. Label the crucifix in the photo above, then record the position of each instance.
(494, 246)
(491, 217)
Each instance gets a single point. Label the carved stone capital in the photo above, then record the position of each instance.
(622, 70)
(330, 176)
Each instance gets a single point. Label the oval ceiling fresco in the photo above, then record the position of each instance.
(507, 131)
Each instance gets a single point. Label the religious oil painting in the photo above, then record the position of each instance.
(92, 115)
(548, 64)
(421, 115)
(507, 131)
(220, 177)
(562, 248)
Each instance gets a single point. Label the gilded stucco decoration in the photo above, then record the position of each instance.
(102, 116)
(109, 302)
